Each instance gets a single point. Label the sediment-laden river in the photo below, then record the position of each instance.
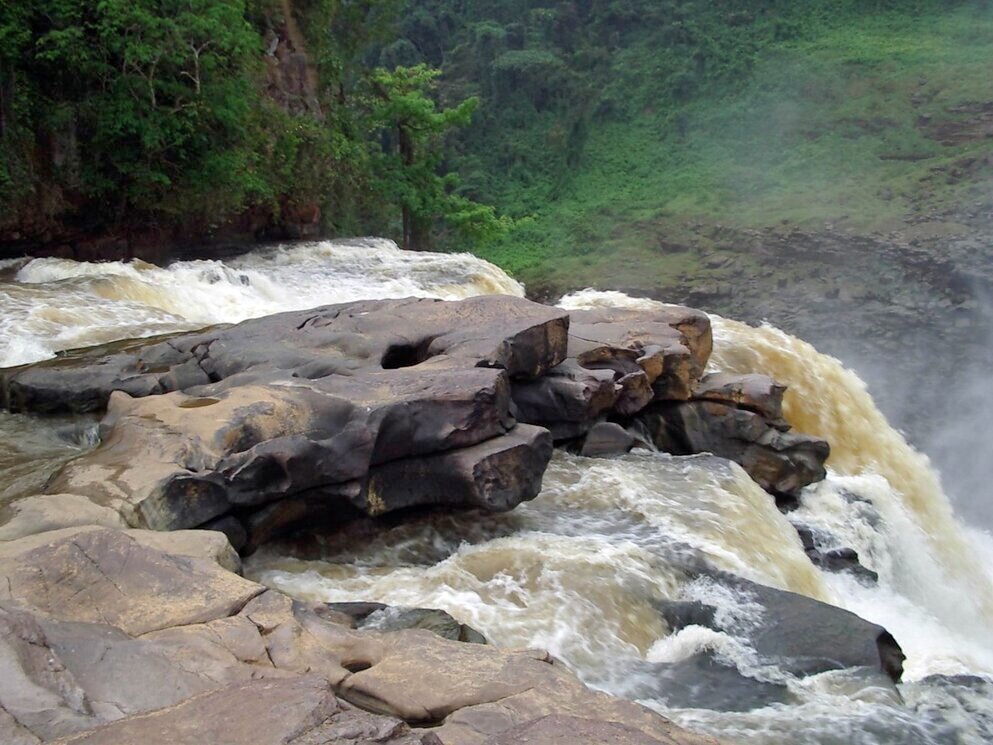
(581, 570)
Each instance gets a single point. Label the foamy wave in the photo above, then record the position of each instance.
(57, 304)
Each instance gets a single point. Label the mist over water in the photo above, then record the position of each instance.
(581, 570)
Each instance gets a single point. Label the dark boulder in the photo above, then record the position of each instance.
(833, 559)
(780, 462)
(703, 682)
(803, 636)
(495, 475)
(606, 439)
(382, 617)
(567, 400)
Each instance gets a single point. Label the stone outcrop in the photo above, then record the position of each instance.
(619, 361)
(804, 636)
(114, 633)
(318, 415)
(107, 640)
(315, 417)
(782, 463)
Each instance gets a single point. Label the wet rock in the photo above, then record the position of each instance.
(381, 405)
(758, 393)
(523, 338)
(702, 682)
(780, 462)
(180, 461)
(834, 559)
(606, 439)
(803, 636)
(495, 475)
(567, 400)
(387, 618)
(670, 345)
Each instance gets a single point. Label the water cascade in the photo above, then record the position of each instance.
(581, 570)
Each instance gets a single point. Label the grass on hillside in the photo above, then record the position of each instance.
(834, 128)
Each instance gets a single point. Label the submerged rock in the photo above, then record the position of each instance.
(838, 559)
(802, 635)
(703, 682)
(391, 618)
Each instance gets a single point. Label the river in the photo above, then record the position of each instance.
(580, 570)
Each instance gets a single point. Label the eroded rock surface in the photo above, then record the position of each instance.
(782, 463)
(101, 643)
(315, 415)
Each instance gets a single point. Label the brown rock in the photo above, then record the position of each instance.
(104, 576)
(263, 712)
(607, 438)
(44, 512)
(495, 475)
(567, 400)
(781, 463)
(670, 345)
(758, 393)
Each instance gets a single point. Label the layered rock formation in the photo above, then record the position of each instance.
(307, 420)
(113, 637)
(317, 416)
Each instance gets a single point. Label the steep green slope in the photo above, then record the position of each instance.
(623, 139)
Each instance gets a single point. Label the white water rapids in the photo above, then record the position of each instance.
(579, 571)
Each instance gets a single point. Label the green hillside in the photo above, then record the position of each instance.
(623, 132)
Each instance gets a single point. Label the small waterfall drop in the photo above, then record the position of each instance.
(581, 570)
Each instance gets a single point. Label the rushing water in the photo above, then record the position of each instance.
(580, 570)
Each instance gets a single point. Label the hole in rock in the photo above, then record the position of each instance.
(198, 403)
(356, 666)
(406, 354)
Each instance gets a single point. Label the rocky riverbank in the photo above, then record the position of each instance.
(306, 421)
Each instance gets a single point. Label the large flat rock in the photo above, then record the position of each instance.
(260, 712)
(261, 425)
(508, 333)
(105, 576)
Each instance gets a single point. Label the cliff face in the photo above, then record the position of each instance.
(71, 179)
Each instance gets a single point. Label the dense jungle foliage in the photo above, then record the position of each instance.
(598, 129)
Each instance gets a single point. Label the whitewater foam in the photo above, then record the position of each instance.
(55, 304)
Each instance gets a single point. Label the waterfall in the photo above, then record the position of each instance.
(581, 570)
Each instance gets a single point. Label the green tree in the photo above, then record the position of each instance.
(143, 106)
(407, 162)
